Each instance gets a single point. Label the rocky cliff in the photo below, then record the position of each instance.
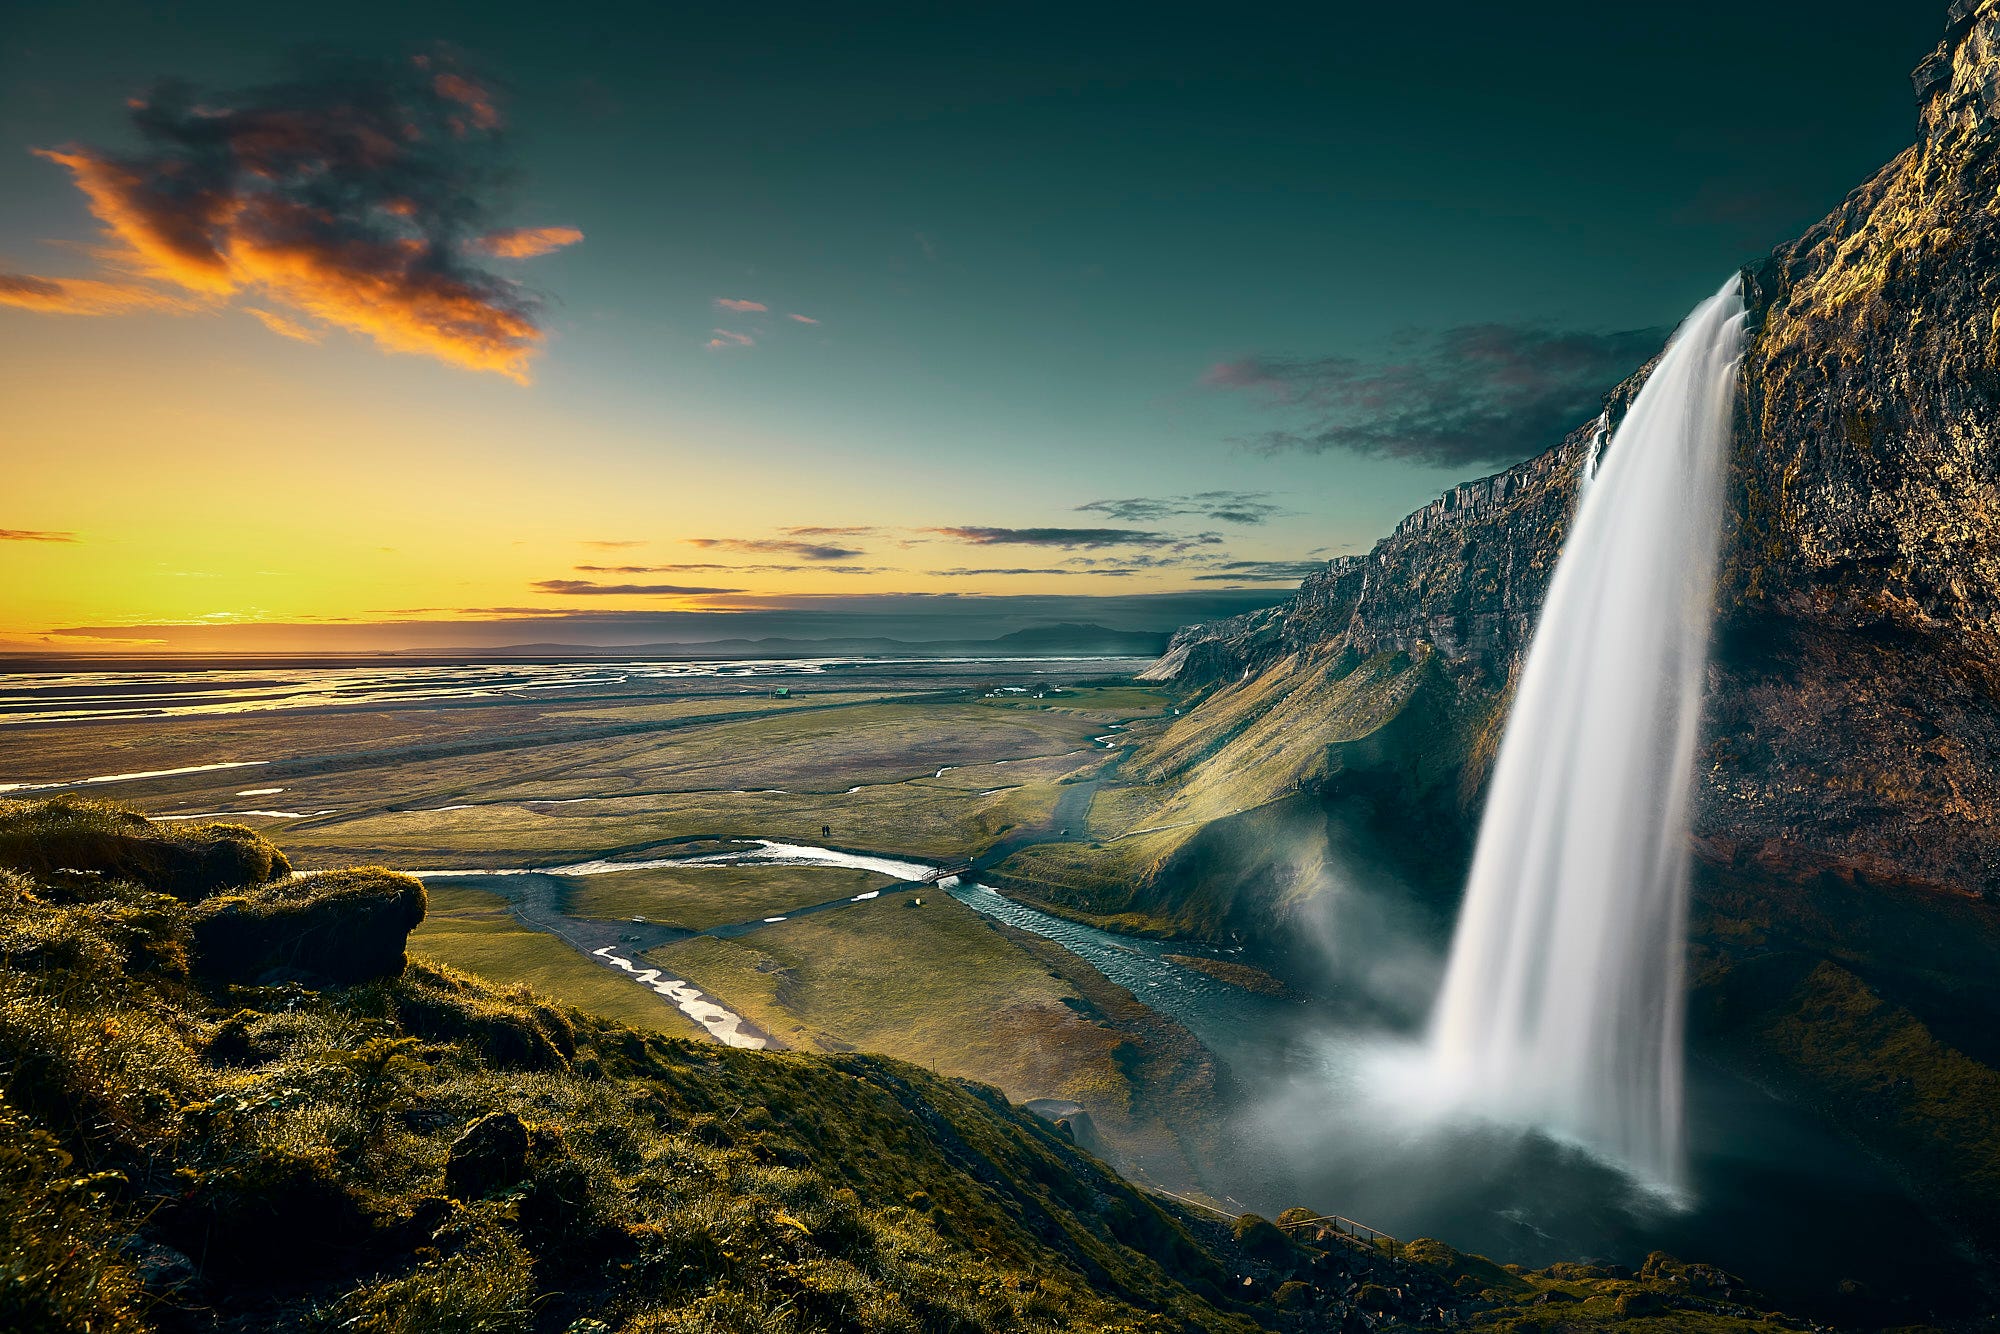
(1848, 816)
(1859, 639)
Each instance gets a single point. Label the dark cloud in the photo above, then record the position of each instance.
(1262, 571)
(961, 572)
(1071, 539)
(773, 546)
(1238, 507)
(1480, 395)
(843, 530)
(33, 535)
(590, 588)
(356, 194)
(761, 568)
(1138, 560)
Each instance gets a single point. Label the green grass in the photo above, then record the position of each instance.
(471, 930)
(297, 1150)
(1114, 703)
(935, 984)
(951, 990)
(699, 897)
(919, 819)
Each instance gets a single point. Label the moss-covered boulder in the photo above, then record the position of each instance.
(341, 927)
(191, 861)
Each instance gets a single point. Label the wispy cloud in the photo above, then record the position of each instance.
(84, 296)
(1071, 539)
(739, 305)
(284, 327)
(961, 572)
(590, 588)
(351, 194)
(1482, 394)
(802, 319)
(34, 535)
(766, 567)
(1237, 507)
(612, 543)
(835, 530)
(773, 546)
(527, 242)
(726, 338)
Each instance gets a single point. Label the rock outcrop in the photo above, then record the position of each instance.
(340, 927)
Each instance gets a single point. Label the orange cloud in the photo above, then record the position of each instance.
(82, 296)
(33, 535)
(459, 89)
(739, 304)
(802, 319)
(345, 198)
(283, 327)
(725, 338)
(529, 242)
(169, 235)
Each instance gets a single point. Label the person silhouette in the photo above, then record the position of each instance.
(826, 831)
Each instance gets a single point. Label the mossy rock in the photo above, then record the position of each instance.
(189, 861)
(341, 927)
(1262, 1239)
(440, 1005)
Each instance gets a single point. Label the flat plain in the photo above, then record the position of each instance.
(944, 765)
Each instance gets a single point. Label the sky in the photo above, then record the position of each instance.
(381, 324)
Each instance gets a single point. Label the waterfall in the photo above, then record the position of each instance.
(1593, 453)
(1563, 1002)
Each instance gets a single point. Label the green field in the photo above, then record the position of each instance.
(699, 897)
(950, 989)
(470, 929)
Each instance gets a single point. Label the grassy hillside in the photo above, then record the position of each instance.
(229, 1102)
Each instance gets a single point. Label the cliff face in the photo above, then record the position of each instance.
(1852, 707)
(1847, 818)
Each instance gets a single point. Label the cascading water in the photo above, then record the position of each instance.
(1563, 1003)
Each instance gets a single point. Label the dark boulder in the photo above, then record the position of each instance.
(339, 927)
(272, 1221)
(491, 1155)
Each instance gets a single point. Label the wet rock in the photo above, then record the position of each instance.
(491, 1155)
